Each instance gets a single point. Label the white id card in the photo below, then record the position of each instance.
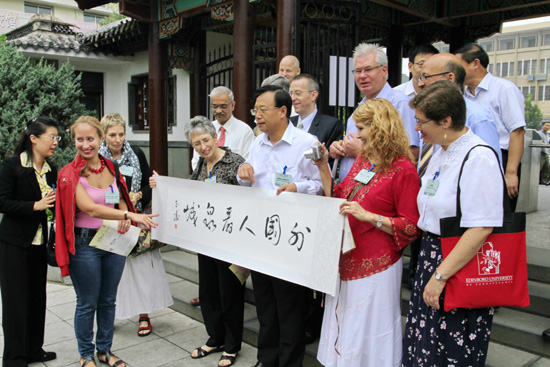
(364, 176)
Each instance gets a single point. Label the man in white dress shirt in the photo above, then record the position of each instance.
(232, 133)
(417, 56)
(504, 99)
(277, 162)
(478, 118)
(370, 64)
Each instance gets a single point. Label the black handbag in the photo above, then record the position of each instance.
(50, 246)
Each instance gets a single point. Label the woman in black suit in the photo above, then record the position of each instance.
(26, 192)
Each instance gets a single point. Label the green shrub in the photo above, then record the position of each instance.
(29, 90)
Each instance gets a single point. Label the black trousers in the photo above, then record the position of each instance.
(23, 272)
(281, 308)
(222, 304)
(513, 201)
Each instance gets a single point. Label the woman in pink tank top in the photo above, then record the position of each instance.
(88, 192)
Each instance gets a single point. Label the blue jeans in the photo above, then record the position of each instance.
(95, 275)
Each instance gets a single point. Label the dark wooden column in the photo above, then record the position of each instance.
(284, 28)
(395, 56)
(198, 78)
(158, 132)
(243, 38)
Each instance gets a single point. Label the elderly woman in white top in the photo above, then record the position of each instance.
(459, 337)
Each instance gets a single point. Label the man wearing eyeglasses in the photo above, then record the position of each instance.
(371, 73)
(479, 119)
(417, 56)
(304, 91)
(232, 133)
(277, 162)
(507, 104)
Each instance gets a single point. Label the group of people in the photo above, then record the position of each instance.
(399, 163)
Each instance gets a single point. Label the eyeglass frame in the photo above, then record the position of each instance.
(366, 70)
(423, 78)
(420, 123)
(300, 91)
(262, 110)
(221, 106)
(52, 137)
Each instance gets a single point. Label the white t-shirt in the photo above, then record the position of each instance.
(481, 185)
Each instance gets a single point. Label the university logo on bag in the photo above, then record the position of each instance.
(488, 260)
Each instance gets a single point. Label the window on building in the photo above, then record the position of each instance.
(506, 44)
(527, 67)
(490, 68)
(93, 18)
(138, 102)
(487, 45)
(528, 41)
(528, 90)
(544, 65)
(38, 9)
(544, 93)
(92, 86)
(505, 69)
(546, 41)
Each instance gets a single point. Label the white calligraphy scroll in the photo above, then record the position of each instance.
(292, 236)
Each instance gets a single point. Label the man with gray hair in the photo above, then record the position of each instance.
(370, 65)
(232, 133)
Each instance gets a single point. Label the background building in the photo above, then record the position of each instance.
(15, 13)
(521, 54)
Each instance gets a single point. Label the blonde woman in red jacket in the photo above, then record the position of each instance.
(85, 197)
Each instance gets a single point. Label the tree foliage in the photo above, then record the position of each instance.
(533, 114)
(112, 17)
(28, 90)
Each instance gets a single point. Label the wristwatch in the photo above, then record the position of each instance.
(379, 222)
(440, 277)
(126, 215)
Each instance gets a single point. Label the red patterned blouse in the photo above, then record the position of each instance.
(391, 194)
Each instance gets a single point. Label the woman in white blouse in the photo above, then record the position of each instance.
(459, 337)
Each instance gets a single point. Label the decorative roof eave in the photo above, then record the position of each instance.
(125, 36)
(46, 32)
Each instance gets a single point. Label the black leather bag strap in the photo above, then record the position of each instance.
(507, 208)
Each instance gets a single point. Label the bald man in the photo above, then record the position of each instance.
(478, 118)
(289, 67)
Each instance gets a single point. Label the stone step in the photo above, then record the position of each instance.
(518, 328)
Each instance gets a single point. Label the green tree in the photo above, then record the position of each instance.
(533, 115)
(112, 17)
(28, 90)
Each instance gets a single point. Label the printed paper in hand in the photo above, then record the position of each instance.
(108, 238)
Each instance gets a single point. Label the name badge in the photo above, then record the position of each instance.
(431, 187)
(211, 179)
(282, 179)
(112, 198)
(127, 171)
(364, 176)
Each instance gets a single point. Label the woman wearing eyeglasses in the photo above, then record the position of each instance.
(459, 337)
(27, 184)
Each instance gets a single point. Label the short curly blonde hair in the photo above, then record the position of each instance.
(388, 139)
(112, 119)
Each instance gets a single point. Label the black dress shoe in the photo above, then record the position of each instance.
(546, 334)
(259, 364)
(44, 357)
